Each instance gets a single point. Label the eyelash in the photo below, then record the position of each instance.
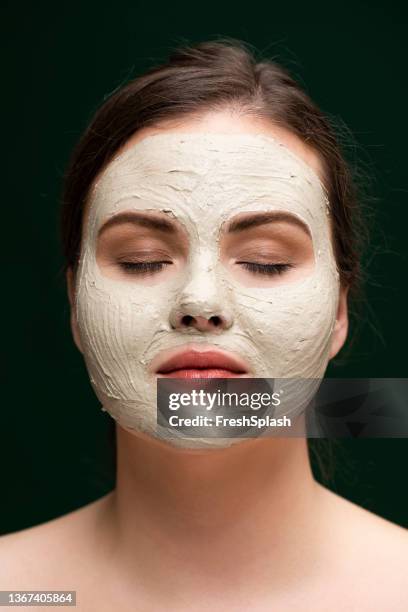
(150, 267)
(143, 267)
(266, 269)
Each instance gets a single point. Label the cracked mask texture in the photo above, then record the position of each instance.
(202, 180)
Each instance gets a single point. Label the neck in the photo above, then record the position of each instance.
(195, 517)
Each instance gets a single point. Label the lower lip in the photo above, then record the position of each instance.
(204, 373)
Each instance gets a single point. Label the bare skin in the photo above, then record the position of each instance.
(241, 528)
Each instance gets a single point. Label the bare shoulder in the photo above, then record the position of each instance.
(371, 553)
(45, 556)
(366, 528)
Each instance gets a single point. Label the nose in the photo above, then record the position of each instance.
(202, 305)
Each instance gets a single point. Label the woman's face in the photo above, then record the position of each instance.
(210, 234)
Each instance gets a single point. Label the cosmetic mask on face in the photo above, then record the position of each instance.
(202, 180)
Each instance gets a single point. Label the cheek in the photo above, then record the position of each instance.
(290, 326)
(130, 315)
(119, 324)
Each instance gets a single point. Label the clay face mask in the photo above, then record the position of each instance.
(201, 181)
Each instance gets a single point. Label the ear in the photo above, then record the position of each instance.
(71, 297)
(340, 331)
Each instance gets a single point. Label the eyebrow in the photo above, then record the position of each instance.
(254, 220)
(139, 219)
(247, 222)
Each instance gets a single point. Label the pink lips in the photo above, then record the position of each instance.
(193, 363)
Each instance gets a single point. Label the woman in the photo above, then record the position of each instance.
(209, 230)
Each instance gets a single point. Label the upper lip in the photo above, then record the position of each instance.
(194, 358)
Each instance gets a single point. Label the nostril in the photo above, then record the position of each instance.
(189, 321)
(216, 321)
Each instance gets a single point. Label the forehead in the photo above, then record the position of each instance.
(220, 174)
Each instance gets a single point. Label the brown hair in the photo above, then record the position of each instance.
(209, 76)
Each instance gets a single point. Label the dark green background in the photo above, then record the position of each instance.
(61, 60)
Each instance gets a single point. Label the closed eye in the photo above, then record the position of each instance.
(143, 267)
(265, 269)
